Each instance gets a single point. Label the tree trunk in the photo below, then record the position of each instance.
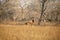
(42, 11)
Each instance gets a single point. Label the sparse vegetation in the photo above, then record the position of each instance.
(18, 11)
(19, 19)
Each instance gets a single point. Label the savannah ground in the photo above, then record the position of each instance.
(29, 32)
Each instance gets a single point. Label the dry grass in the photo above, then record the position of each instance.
(27, 32)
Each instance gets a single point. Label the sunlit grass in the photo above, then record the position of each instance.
(29, 32)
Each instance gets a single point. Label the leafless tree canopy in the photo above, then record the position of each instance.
(25, 10)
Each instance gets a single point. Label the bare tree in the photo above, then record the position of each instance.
(6, 12)
(42, 10)
(53, 13)
(23, 5)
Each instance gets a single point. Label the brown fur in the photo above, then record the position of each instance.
(30, 22)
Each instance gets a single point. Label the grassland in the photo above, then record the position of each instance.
(29, 32)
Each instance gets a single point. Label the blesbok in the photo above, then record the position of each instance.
(30, 22)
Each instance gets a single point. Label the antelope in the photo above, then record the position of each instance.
(30, 22)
